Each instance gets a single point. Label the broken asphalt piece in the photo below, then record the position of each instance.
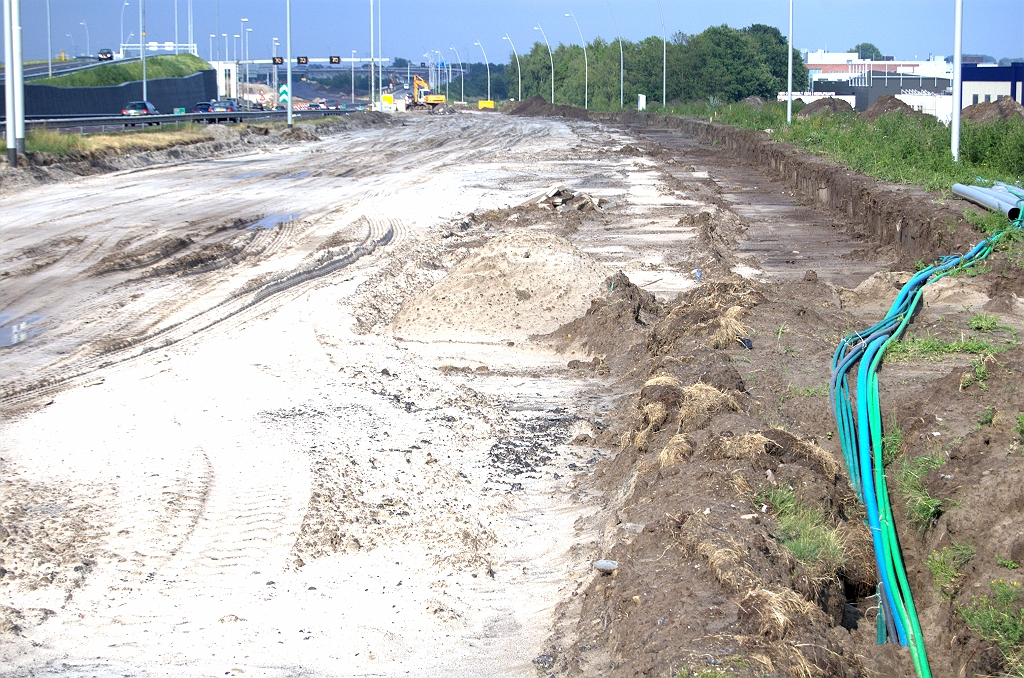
(606, 566)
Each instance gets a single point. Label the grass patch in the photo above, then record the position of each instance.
(999, 619)
(979, 373)
(153, 139)
(981, 322)
(1007, 563)
(987, 416)
(922, 508)
(935, 348)
(1019, 428)
(805, 531)
(947, 565)
(898, 148)
(892, 442)
(172, 66)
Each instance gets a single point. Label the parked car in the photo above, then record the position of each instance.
(105, 55)
(225, 106)
(139, 108)
(203, 107)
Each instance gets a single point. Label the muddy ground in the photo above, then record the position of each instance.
(311, 417)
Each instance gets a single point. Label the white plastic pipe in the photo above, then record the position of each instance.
(986, 199)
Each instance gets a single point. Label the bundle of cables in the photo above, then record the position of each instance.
(860, 433)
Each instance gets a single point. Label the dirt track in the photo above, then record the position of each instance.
(221, 454)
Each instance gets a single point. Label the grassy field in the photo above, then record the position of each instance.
(173, 66)
(901, 149)
(63, 144)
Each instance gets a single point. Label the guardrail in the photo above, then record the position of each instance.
(110, 123)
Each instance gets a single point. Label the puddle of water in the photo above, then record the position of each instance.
(273, 220)
(249, 175)
(17, 332)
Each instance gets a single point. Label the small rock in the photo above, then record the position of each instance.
(606, 566)
(811, 276)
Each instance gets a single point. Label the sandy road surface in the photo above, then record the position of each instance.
(221, 459)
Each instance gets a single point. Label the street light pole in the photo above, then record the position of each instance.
(380, 64)
(142, 47)
(353, 78)
(175, 26)
(373, 98)
(789, 103)
(664, 57)
(122, 22)
(958, 85)
(88, 49)
(191, 35)
(49, 44)
(551, 58)
(519, 69)
(462, 74)
(586, 64)
(288, 51)
(486, 63)
(247, 32)
(212, 36)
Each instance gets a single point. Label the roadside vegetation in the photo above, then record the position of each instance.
(805, 531)
(999, 619)
(171, 66)
(922, 508)
(68, 144)
(947, 566)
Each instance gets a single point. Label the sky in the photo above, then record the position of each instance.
(906, 29)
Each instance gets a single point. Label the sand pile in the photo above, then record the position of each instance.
(522, 283)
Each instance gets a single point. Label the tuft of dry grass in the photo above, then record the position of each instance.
(700, 403)
(776, 611)
(662, 380)
(821, 457)
(64, 143)
(653, 417)
(730, 329)
(742, 447)
(677, 449)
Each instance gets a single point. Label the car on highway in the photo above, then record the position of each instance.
(203, 107)
(105, 55)
(139, 108)
(316, 106)
(257, 106)
(225, 106)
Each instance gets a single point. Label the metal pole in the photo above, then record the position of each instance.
(353, 83)
(211, 46)
(462, 74)
(488, 64)
(218, 34)
(122, 23)
(9, 126)
(380, 53)
(519, 69)
(142, 47)
(958, 85)
(622, 69)
(373, 96)
(49, 44)
(288, 51)
(664, 56)
(88, 48)
(248, 104)
(16, 73)
(191, 35)
(175, 26)
(789, 104)
(586, 64)
(551, 58)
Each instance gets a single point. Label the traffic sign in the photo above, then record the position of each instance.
(302, 61)
(283, 93)
(278, 61)
(335, 59)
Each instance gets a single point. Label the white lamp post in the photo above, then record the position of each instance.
(664, 56)
(519, 69)
(586, 64)
(789, 103)
(122, 22)
(49, 44)
(142, 48)
(958, 85)
(212, 36)
(551, 58)
(88, 48)
(353, 78)
(288, 50)
(488, 64)
(462, 73)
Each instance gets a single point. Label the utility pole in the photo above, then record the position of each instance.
(664, 57)
(789, 104)
(49, 44)
(462, 74)
(550, 58)
(353, 76)
(586, 63)
(13, 82)
(958, 85)
(175, 26)
(288, 50)
(519, 69)
(142, 47)
(380, 53)
(191, 35)
(373, 97)
(488, 64)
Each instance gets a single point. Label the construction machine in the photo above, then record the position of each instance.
(421, 96)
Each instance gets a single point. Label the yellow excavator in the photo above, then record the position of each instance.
(421, 95)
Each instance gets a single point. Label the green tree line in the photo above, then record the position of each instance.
(723, 63)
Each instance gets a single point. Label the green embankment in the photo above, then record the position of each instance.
(173, 66)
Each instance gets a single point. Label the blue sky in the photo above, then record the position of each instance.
(905, 29)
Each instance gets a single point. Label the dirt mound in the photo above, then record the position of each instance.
(521, 283)
(753, 101)
(884, 105)
(989, 111)
(827, 105)
(538, 106)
